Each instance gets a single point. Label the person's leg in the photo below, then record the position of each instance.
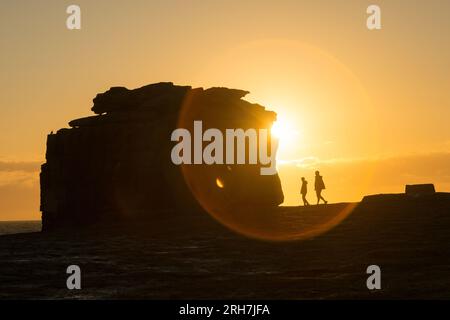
(319, 197)
(305, 202)
(323, 199)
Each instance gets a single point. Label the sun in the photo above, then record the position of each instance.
(285, 132)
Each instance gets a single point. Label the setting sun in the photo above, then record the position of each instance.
(286, 133)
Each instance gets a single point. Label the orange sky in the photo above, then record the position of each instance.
(369, 109)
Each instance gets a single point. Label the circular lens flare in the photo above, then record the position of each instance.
(226, 192)
(319, 86)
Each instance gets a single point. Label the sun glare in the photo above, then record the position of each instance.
(285, 133)
(219, 183)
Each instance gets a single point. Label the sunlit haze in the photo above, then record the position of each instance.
(370, 110)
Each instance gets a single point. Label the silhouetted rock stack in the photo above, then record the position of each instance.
(116, 165)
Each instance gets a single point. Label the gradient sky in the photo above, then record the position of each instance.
(369, 109)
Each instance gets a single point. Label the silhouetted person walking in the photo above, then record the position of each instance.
(304, 191)
(319, 185)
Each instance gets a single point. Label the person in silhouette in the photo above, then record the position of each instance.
(319, 185)
(304, 191)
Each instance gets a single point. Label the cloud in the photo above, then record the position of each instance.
(23, 166)
(434, 163)
(19, 190)
(303, 162)
(23, 173)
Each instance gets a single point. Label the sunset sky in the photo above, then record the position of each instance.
(369, 109)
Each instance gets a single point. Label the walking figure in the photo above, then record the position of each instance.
(319, 186)
(304, 191)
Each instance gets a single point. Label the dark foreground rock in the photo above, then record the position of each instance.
(408, 238)
(117, 166)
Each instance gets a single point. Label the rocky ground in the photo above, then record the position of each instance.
(408, 238)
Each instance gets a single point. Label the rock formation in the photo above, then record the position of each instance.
(116, 165)
(417, 190)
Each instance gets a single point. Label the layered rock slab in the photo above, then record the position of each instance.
(116, 165)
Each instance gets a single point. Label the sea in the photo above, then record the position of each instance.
(11, 227)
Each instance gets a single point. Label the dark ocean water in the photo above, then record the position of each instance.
(196, 258)
(10, 227)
